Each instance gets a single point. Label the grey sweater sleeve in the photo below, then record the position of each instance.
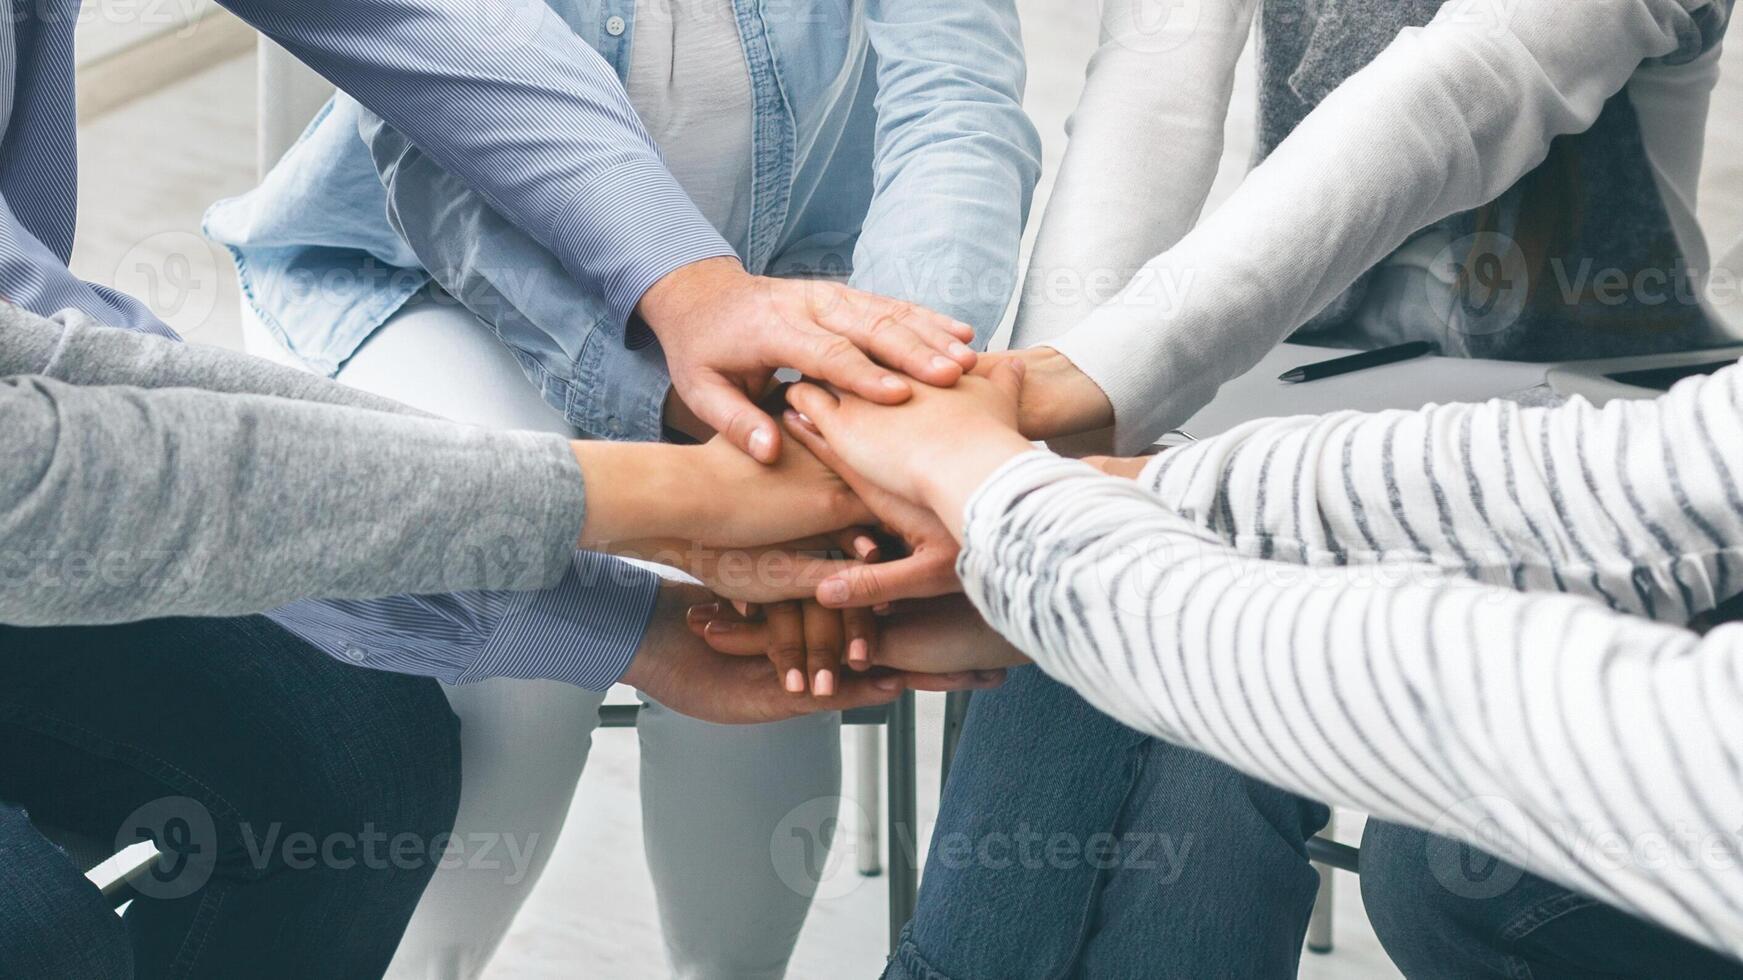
(78, 350)
(131, 492)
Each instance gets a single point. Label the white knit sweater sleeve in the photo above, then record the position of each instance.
(1444, 120)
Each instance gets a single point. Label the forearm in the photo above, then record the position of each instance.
(1145, 141)
(1444, 120)
(123, 503)
(1635, 504)
(83, 352)
(508, 98)
(1433, 701)
(956, 161)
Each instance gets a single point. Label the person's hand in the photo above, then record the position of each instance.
(710, 493)
(725, 332)
(935, 449)
(676, 668)
(803, 640)
(941, 635)
(927, 569)
(1059, 400)
(937, 639)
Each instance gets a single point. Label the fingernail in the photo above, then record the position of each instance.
(864, 546)
(893, 383)
(762, 443)
(719, 626)
(858, 652)
(833, 591)
(702, 612)
(889, 682)
(965, 328)
(961, 351)
(943, 363)
(825, 684)
(795, 680)
(882, 609)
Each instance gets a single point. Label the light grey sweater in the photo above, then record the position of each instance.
(144, 478)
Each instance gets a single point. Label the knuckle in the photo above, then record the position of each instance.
(868, 583)
(836, 347)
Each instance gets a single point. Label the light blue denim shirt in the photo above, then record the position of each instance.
(890, 148)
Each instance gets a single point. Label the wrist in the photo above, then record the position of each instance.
(637, 491)
(671, 299)
(653, 669)
(1058, 398)
(945, 484)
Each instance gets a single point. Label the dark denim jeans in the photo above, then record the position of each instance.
(1447, 910)
(1069, 845)
(296, 800)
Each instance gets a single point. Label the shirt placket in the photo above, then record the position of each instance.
(772, 138)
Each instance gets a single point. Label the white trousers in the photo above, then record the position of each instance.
(712, 795)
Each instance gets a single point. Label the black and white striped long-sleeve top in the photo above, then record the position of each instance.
(1442, 617)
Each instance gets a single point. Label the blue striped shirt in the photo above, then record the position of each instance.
(503, 94)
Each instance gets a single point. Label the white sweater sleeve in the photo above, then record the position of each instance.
(1591, 747)
(1636, 504)
(1444, 120)
(1145, 141)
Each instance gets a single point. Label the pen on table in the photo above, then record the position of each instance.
(1356, 362)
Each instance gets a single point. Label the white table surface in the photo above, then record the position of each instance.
(1406, 384)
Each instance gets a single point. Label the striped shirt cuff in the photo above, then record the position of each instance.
(585, 631)
(634, 226)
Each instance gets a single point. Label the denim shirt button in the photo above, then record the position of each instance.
(356, 654)
(615, 26)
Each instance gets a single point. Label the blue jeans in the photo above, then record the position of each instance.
(1447, 910)
(295, 800)
(1070, 845)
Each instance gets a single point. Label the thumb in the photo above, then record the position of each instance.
(1007, 377)
(725, 408)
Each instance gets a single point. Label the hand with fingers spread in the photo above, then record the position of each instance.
(933, 450)
(725, 332)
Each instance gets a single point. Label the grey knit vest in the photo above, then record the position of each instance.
(1528, 264)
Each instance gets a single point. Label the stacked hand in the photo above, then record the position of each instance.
(891, 430)
(912, 466)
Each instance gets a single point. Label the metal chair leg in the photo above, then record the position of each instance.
(904, 817)
(868, 756)
(955, 710)
(1319, 925)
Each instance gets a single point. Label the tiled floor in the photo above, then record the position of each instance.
(150, 169)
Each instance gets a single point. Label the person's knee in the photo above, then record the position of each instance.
(387, 776)
(1430, 899)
